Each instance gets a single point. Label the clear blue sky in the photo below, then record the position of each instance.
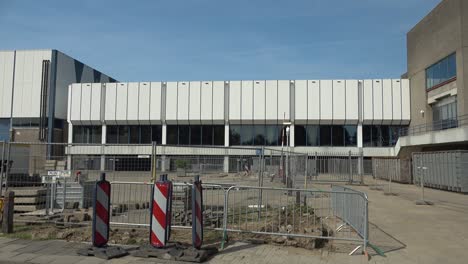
(220, 40)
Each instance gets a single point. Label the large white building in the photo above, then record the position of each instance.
(324, 115)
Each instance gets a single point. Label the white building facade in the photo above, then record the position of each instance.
(323, 115)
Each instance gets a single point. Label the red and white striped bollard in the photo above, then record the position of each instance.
(160, 222)
(197, 213)
(101, 212)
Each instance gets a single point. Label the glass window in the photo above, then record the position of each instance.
(195, 135)
(112, 134)
(385, 132)
(313, 135)
(172, 135)
(218, 136)
(247, 134)
(441, 72)
(207, 135)
(234, 135)
(259, 136)
(87, 134)
(337, 136)
(95, 134)
(145, 134)
(376, 136)
(184, 135)
(367, 136)
(123, 134)
(156, 134)
(271, 135)
(350, 135)
(4, 129)
(325, 136)
(300, 135)
(134, 134)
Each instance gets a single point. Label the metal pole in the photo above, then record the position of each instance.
(260, 181)
(7, 173)
(2, 164)
(350, 168)
(64, 189)
(306, 170)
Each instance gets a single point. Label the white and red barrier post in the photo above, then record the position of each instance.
(160, 222)
(197, 213)
(101, 212)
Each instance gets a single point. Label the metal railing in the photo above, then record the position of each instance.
(460, 121)
(351, 206)
(300, 213)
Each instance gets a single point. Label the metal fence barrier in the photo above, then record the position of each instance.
(351, 206)
(130, 203)
(444, 170)
(301, 213)
(394, 169)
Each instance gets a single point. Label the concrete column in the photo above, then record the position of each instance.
(226, 164)
(226, 135)
(104, 134)
(359, 136)
(103, 141)
(70, 140)
(70, 133)
(291, 135)
(164, 134)
(226, 144)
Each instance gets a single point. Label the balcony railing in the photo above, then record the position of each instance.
(435, 126)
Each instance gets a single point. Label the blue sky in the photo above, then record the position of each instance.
(220, 40)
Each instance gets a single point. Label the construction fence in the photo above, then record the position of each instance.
(445, 170)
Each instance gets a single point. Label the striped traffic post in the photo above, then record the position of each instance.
(197, 216)
(101, 212)
(160, 223)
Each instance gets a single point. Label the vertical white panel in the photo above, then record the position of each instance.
(218, 101)
(155, 102)
(144, 102)
(378, 104)
(300, 101)
(271, 92)
(110, 102)
(247, 101)
(19, 85)
(121, 103)
(283, 99)
(76, 102)
(36, 79)
(405, 102)
(132, 102)
(6, 82)
(368, 101)
(182, 101)
(326, 101)
(396, 101)
(352, 102)
(235, 100)
(195, 100)
(95, 115)
(85, 102)
(171, 102)
(387, 101)
(259, 101)
(207, 101)
(339, 101)
(313, 101)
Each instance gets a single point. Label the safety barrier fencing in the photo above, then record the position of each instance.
(337, 214)
(351, 207)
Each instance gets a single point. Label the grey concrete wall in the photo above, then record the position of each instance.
(436, 36)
